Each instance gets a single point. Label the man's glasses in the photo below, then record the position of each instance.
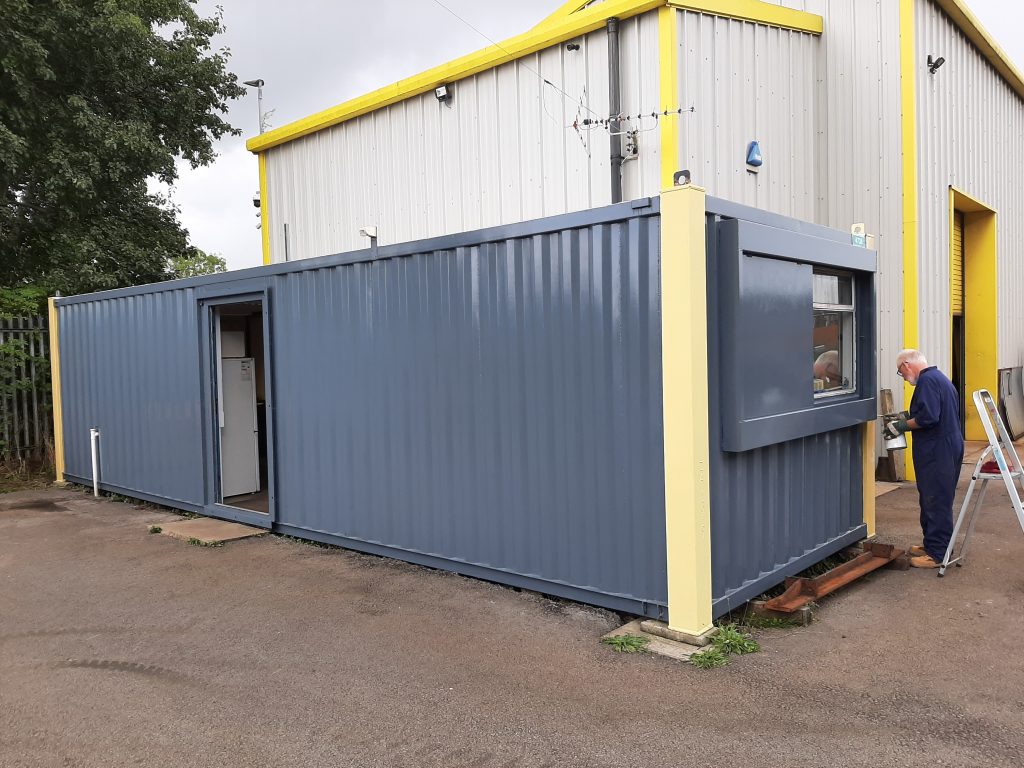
(899, 369)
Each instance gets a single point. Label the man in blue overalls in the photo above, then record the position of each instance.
(934, 419)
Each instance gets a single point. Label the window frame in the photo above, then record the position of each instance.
(848, 341)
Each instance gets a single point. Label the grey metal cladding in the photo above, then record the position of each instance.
(497, 404)
(130, 366)
(491, 400)
(778, 508)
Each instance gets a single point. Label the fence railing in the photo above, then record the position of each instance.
(26, 425)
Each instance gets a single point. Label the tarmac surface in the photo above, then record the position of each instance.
(121, 648)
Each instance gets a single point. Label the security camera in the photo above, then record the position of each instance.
(256, 200)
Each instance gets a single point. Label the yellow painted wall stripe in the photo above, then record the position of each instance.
(684, 343)
(908, 106)
(545, 35)
(264, 209)
(669, 93)
(58, 409)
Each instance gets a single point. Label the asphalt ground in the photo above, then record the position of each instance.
(122, 648)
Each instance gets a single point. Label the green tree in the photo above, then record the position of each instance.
(96, 97)
(196, 262)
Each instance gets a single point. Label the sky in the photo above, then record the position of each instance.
(314, 55)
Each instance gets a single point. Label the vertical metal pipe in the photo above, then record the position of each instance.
(614, 108)
(94, 439)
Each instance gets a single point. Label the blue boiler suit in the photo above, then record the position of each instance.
(938, 454)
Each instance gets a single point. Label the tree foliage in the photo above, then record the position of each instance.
(196, 262)
(96, 97)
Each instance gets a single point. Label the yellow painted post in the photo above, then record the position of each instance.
(669, 94)
(868, 459)
(264, 209)
(684, 334)
(908, 106)
(58, 411)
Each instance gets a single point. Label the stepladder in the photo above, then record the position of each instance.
(999, 461)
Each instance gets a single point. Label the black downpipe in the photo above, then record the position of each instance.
(614, 108)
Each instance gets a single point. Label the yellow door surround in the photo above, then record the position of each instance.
(981, 298)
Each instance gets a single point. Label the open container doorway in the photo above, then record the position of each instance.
(240, 464)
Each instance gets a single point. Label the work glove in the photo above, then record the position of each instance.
(905, 415)
(895, 428)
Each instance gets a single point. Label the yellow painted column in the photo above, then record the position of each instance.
(669, 94)
(908, 106)
(868, 459)
(264, 209)
(58, 411)
(684, 334)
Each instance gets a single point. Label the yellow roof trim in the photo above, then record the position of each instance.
(564, 24)
(757, 11)
(563, 12)
(968, 23)
(580, 23)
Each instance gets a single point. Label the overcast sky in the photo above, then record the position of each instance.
(314, 55)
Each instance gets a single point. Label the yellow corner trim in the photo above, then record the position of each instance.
(55, 386)
(669, 93)
(264, 209)
(968, 23)
(684, 343)
(574, 25)
(868, 462)
(908, 131)
(756, 11)
(564, 24)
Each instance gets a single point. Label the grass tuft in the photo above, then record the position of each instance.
(200, 543)
(710, 658)
(627, 643)
(155, 529)
(730, 640)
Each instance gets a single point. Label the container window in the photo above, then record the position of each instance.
(833, 354)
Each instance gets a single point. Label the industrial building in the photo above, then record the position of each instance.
(899, 114)
(503, 330)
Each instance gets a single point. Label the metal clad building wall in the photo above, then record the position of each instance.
(858, 171)
(504, 151)
(130, 366)
(749, 82)
(970, 127)
(492, 398)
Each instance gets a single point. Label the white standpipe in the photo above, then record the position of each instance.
(94, 439)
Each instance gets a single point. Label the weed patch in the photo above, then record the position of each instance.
(200, 543)
(710, 658)
(731, 641)
(627, 643)
(155, 529)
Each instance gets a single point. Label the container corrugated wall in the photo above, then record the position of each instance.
(504, 151)
(130, 366)
(489, 403)
(970, 128)
(778, 509)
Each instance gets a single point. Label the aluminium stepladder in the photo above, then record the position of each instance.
(1000, 447)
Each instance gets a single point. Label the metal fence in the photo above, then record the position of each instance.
(26, 426)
